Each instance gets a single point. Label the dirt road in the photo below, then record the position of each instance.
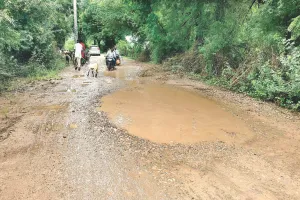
(56, 142)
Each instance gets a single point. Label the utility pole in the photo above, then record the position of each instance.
(75, 20)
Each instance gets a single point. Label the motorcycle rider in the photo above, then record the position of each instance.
(111, 55)
(117, 51)
(117, 54)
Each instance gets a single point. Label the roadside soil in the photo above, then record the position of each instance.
(56, 142)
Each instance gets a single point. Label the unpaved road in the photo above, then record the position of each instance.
(56, 143)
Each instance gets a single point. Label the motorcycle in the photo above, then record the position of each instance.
(110, 64)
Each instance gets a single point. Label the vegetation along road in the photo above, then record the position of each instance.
(205, 103)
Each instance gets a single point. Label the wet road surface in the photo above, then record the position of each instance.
(57, 143)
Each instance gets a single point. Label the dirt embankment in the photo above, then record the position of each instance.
(57, 143)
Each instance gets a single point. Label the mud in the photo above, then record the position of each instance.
(77, 76)
(55, 107)
(60, 145)
(168, 114)
(123, 72)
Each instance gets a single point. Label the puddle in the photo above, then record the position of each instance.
(122, 72)
(166, 114)
(77, 76)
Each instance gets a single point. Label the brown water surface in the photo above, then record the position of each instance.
(166, 114)
(123, 72)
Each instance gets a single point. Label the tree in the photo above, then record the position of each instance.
(107, 22)
(30, 32)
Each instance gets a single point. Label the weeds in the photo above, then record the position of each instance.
(32, 72)
(264, 81)
(4, 112)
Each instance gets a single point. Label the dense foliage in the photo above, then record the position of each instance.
(106, 22)
(30, 32)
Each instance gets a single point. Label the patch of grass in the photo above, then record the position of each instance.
(35, 73)
(44, 75)
(4, 112)
(47, 73)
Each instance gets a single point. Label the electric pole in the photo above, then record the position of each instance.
(75, 20)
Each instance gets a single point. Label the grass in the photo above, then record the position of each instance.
(38, 74)
(45, 75)
(4, 112)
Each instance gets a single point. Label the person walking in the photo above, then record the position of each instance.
(78, 49)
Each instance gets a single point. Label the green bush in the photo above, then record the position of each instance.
(30, 33)
(69, 44)
(277, 84)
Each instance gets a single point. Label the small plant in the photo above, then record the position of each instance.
(4, 112)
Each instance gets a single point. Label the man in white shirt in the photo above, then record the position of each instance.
(78, 48)
(110, 55)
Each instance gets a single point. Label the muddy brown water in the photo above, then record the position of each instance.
(168, 114)
(124, 73)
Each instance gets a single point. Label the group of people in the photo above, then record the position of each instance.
(114, 54)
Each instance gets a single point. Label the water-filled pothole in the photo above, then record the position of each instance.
(167, 114)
